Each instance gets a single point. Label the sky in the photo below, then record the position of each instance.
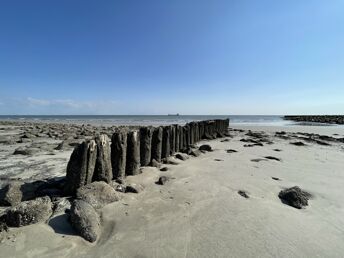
(126, 57)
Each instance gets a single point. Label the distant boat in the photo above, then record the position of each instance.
(173, 114)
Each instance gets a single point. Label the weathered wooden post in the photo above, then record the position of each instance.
(166, 142)
(81, 166)
(157, 144)
(133, 154)
(103, 169)
(119, 153)
(145, 145)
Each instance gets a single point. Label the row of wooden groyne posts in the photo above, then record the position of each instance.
(98, 160)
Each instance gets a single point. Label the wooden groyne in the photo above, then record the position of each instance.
(333, 119)
(102, 159)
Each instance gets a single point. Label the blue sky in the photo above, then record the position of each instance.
(180, 56)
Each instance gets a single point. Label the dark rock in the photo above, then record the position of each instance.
(182, 156)
(294, 197)
(133, 154)
(252, 145)
(162, 180)
(103, 168)
(278, 150)
(218, 159)
(164, 169)
(26, 151)
(298, 143)
(29, 212)
(85, 220)
(81, 165)
(146, 134)
(119, 153)
(243, 194)
(272, 158)
(133, 188)
(231, 151)
(225, 140)
(156, 144)
(276, 178)
(98, 194)
(205, 147)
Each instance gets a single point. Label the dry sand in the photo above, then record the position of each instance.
(199, 212)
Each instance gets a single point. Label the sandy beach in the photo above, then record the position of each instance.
(198, 212)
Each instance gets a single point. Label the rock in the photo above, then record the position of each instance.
(294, 197)
(103, 168)
(162, 180)
(164, 169)
(195, 153)
(231, 151)
(146, 134)
(133, 154)
(243, 194)
(3, 227)
(133, 188)
(225, 140)
(170, 161)
(25, 151)
(156, 144)
(98, 194)
(276, 178)
(81, 165)
(298, 143)
(205, 147)
(155, 163)
(119, 153)
(272, 158)
(85, 220)
(60, 205)
(67, 144)
(11, 194)
(182, 156)
(29, 212)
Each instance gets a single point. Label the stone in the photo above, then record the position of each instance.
(119, 154)
(29, 212)
(164, 169)
(98, 194)
(205, 147)
(182, 156)
(133, 188)
(26, 151)
(103, 168)
(243, 194)
(195, 153)
(162, 180)
(81, 165)
(294, 197)
(11, 194)
(85, 220)
(133, 154)
(146, 134)
(156, 144)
